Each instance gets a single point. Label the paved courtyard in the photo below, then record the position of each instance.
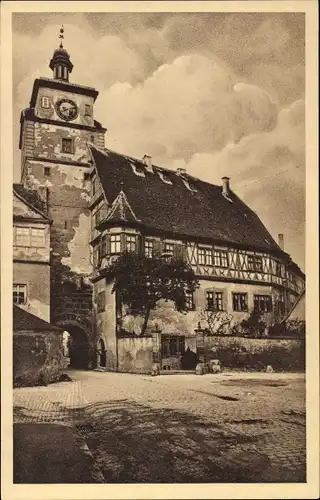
(231, 427)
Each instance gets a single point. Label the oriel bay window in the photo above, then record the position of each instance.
(131, 243)
(19, 294)
(115, 243)
(205, 256)
(240, 301)
(169, 249)
(221, 258)
(214, 301)
(148, 248)
(262, 303)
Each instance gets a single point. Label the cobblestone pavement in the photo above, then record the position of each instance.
(231, 427)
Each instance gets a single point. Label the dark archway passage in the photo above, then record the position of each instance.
(78, 347)
(102, 354)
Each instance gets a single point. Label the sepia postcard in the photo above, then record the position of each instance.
(159, 250)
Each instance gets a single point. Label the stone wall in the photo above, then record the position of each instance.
(105, 322)
(241, 352)
(37, 279)
(135, 355)
(37, 358)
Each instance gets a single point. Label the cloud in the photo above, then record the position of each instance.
(218, 93)
(191, 105)
(267, 171)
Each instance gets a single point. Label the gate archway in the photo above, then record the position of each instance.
(78, 345)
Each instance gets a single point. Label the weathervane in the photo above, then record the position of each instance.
(61, 36)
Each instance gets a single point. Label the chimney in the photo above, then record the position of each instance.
(181, 171)
(225, 185)
(147, 160)
(281, 241)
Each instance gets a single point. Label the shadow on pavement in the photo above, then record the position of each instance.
(133, 443)
(49, 453)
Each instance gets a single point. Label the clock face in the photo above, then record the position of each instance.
(67, 109)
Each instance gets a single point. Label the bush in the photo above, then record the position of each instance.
(295, 328)
(281, 357)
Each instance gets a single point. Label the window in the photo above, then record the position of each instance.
(240, 301)
(164, 177)
(130, 243)
(87, 110)
(47, 171)
(19, 294)
(45, 103)
(101, 302)
(262, 303)
(172, 345)
(189, 301)
(148, 248)
(115, 243)
(67, 145)
(97, 217)
(221, 258)
(86, 176)
(214, 301)
(169, 249)
(22, 236)
(205, 256)
(258, 263)
(37, 237)
(278, 269)
(254, 263)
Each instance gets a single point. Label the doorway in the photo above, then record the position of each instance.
(102, 354)
(77, 347)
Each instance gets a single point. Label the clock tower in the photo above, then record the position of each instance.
(55, 161)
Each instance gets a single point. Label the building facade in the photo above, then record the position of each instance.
(139, 207)
(31, 252)
(54, 132)
(102, 203)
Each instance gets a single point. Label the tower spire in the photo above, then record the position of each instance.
(60, 63)
(61, 36)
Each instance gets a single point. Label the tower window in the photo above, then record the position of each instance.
(67, 145)
(87, 110)
(47, 171)
(45, 103)
(19, 294)
(86, 176)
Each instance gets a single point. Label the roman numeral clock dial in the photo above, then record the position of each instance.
(66, 109)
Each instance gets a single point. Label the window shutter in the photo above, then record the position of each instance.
(139, 244)
(122, 242)
(183, 250)
(157, 248)
(177, 251)
(108, 244)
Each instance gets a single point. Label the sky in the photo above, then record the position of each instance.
(220, 94)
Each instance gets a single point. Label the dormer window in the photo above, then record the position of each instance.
(137, 169)
(164, 177)
(188, 186)
(45, 103)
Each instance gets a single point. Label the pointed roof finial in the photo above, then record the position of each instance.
(121, 185)
(61, 36)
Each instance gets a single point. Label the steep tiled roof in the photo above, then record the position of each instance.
(23, 320)
(181, 204)
(31, 197)
(121, 211)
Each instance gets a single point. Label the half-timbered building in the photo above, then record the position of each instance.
(137, 206)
